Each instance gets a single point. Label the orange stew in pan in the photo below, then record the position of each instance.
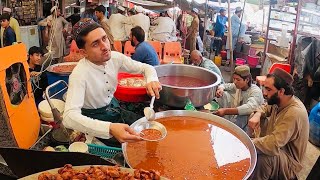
(151, 134)
(194, 148)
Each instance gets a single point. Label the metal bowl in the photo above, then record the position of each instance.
(151, 125)
(178, 96)
(50, 68)
(222, 123)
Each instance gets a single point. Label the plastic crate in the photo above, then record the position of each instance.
(103, 151)
(131, 94)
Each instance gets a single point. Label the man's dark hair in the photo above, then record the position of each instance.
(279, 83)
(76, 10)
(222, 10)
(249, 77)
(138, 32)
(101, 8)
(5, 16)
(84, 32)
(33, 50)
(132, 12)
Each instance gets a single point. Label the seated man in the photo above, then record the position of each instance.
(284, 130)
(90, 106)
(39, 80)
(144, 52)
(198, 60)
(239, 99)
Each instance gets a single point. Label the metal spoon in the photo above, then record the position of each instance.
(149, 112)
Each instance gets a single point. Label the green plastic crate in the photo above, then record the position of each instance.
(103, 151)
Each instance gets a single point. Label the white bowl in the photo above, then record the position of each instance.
(45, 110)
(79, 147)
(46, 119)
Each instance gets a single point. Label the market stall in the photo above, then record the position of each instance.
(190, 144)
(174, 96)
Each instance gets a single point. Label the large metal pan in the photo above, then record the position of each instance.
(178, 96)
(221, 122)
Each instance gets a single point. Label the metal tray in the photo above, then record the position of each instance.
(221, 122)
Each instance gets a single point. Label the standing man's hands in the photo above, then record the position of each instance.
(123, 133)
(219, 92)
(153, 88)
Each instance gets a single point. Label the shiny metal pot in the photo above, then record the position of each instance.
(177, 96)
(220, 122)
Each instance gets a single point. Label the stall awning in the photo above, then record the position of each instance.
(152, 5)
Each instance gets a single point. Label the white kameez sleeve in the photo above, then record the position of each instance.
(72, 117)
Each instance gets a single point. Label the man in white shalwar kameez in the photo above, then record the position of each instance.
(165, 29)
(117, 23)
(140, 20)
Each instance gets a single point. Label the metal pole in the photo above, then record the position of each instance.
(266, 38)
(294, 39)
(244, 5)
(205, 24)
(264, 16)
(230, 39)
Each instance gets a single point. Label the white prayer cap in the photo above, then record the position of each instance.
(195, 10)
(238, 9)
(139, 9)
(5, 9)
(53, 8)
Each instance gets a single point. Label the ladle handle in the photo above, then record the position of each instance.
(152, 101)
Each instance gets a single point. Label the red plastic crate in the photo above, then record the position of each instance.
(130, 94)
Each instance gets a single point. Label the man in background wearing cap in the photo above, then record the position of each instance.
(281, 130)
(237, 27)
(220, 29)
(239, 99)
(141, 20)
(193, 30)
(90, 106)
(117, 22)
(100, 12)
(164, 29)
(13, 24)
(60, 26)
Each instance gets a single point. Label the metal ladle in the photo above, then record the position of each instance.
(149, 112)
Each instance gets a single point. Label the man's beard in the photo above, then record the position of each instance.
(274, 99)
(132, 43)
